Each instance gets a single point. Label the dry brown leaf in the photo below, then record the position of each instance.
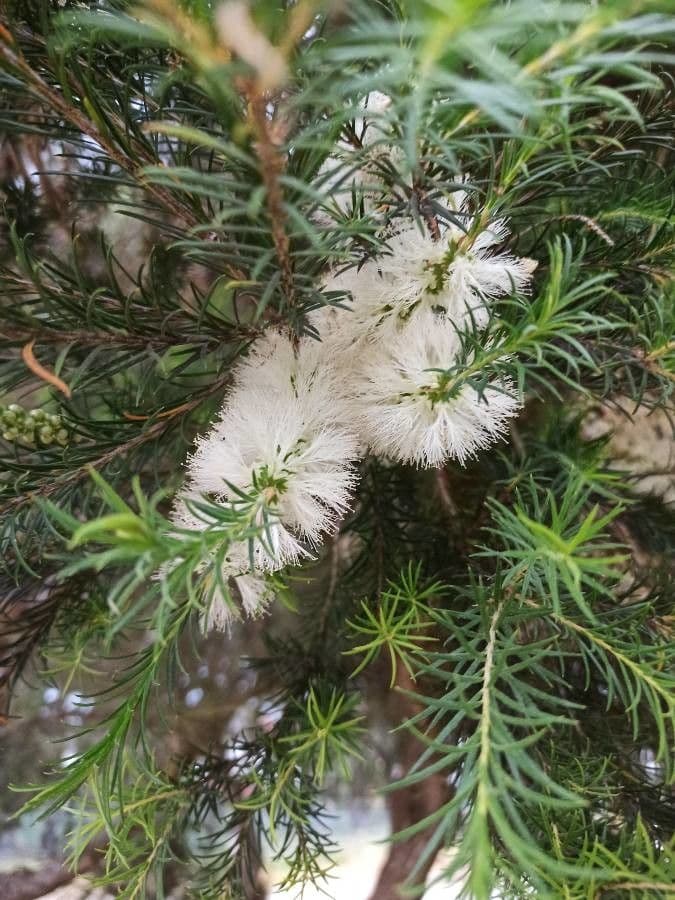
(133, 417)
(45, 374)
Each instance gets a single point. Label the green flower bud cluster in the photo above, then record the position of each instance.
(32, 427)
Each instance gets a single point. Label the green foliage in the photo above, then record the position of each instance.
(398, 625)
(141, 545)
(329, 739)
(497, 771)
(154, 807)
(165, 204)
(515, 673)
(547, 548)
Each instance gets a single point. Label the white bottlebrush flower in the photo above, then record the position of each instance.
(245, 586)
(250, 589)
(341, 336)
(302, 370)
(406, 409)
(276, 441)
(456, 275)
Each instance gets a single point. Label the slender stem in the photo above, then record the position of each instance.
(272, 163)
(485, 723)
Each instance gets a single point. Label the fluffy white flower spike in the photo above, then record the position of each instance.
(275, 440)
(301, 372)
(456, 276)
(248, 587)
(406, 408)
(383, 377)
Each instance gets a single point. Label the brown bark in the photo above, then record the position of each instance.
(408, 806)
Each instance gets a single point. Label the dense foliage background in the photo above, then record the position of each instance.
(491, 642)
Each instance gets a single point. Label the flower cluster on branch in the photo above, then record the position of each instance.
(381, 373)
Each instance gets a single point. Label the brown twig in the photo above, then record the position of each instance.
(57, 103)
(444, 495)
(410, 805)
(429, 218)
(96, 338)
(272, 164)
